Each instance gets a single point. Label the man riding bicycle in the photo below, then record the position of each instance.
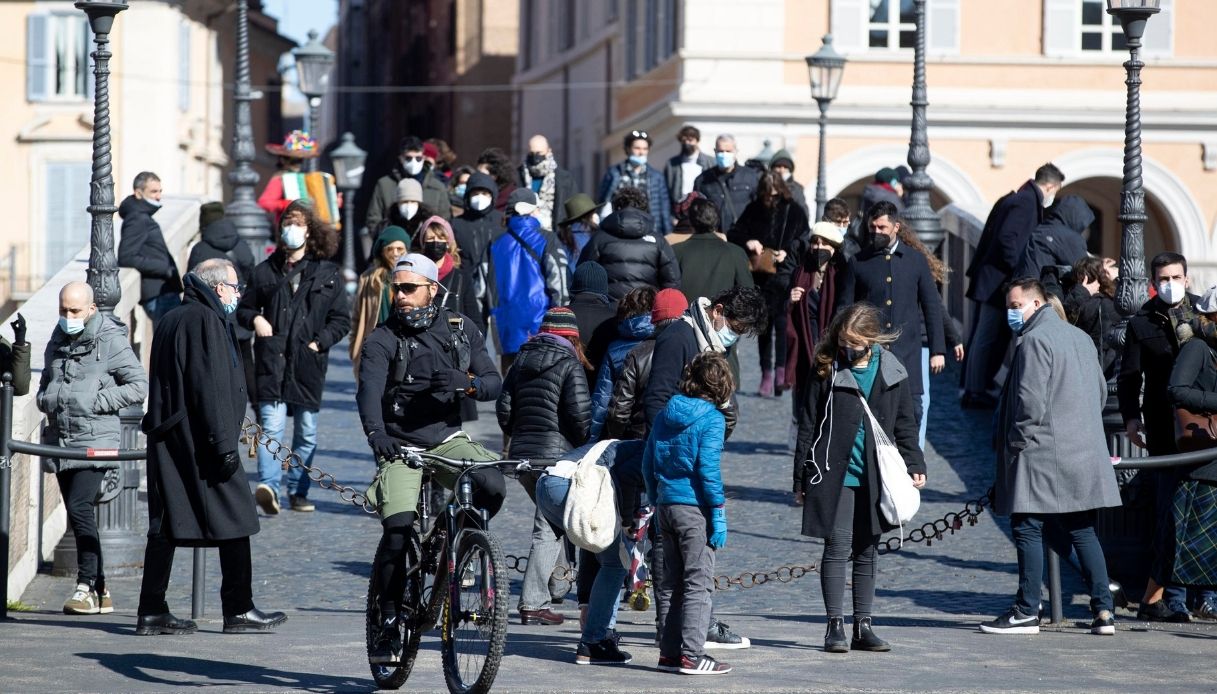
(414, 371)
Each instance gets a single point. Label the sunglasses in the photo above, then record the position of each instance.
(640, 134)
(408, 287)
(414, 158)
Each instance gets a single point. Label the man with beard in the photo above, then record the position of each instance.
(683, 169)
(552, 186)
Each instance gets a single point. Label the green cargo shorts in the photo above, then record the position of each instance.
(397, 485)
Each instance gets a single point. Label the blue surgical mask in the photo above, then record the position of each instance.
(1014, 317)
(725, 160)
(460, 189)
(638, 159)
(231, 307)
(71, 326)
(727, 336)
(293, 236)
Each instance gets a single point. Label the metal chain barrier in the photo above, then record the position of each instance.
(933, 530)
(254, 435)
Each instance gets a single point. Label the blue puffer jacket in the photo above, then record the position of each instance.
(632, 331)
(681, 461)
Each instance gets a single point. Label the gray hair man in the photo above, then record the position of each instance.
(728, 184)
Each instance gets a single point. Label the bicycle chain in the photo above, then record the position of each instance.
(253, 434)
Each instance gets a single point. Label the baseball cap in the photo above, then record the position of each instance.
(522, 201)
(419, 264)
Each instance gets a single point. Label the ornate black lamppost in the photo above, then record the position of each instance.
(1132, 286)
(348, 161)
(918, 212)
(313, 63)
(825, 67)
(251, 221)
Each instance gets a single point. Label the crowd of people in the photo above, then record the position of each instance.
(616, 321)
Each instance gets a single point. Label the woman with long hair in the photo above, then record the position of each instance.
(836, 465)
(436, 241)
(373, 299)
(1091, 306)
(771, 230)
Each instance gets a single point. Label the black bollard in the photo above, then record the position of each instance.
(6, 462)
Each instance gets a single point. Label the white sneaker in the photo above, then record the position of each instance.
(83, 601)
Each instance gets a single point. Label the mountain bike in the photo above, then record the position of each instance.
(471, 611)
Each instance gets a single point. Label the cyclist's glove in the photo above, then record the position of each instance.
(384, 446)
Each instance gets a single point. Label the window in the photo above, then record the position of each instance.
(183, 67)
(893, 24)
(1101, 31)
(57, 57)
(68, 222)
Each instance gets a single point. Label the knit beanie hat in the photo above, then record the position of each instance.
(210, 212)
(669, 303)
(409, 190)
(591, 277)
(560, 321)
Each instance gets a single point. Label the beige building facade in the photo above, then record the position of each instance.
(1011, 86)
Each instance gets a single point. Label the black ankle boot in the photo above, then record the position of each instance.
(865, 639)
(834, 636)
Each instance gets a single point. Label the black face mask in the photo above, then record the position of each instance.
(880, 242)
(533, 159)
(688, 148)
(851, 355)
(820, 257)
(435, 250)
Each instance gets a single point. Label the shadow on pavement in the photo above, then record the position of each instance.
(125, 628)
(737, 492)
(362, 569)
(140, 666)
(755, 448)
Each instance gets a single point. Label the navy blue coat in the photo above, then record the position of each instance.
(657, 193)
(900, 285)
(1002, 242)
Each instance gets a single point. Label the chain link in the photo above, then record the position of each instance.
(255, 436)
(933, 530)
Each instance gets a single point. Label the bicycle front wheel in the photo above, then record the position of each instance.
(394, 675)
(475, 616)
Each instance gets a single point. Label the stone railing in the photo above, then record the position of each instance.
(38, 520)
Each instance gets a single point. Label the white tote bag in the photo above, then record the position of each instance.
(898, 498)
(590, 516)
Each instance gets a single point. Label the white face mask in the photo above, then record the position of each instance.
(1172, 291)
(786, 175)
(408, 209)
(412, 166)
(479, 202)
(293, 236)
(155, 203)
(1049, 199)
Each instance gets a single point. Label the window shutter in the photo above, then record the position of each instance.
(942, 27)
(183, 67)
(1159, 39)
(1062, 28)
(37, 57)
(848, 26)
(68, 222)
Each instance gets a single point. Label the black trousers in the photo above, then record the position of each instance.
(236, 569)
(79, 490)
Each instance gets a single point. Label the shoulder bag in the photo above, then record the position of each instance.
(898, 498)
(590, 516)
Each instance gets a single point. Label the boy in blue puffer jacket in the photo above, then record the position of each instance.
(680, 466)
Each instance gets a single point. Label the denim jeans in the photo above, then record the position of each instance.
(606, 589)
(304, 444)
(1064, 532)
(925, 395)
(158, 306)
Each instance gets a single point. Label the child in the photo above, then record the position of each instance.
(681, 468)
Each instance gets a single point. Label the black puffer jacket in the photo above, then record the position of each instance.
(317, 311)
(545, 406)
(632, 253)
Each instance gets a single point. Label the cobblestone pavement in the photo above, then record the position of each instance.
(315, 566)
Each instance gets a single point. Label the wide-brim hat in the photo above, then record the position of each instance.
(577, 206)
(298, 144)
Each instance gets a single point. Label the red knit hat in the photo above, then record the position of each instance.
(669, 304)
(560, 321)
(430, 151)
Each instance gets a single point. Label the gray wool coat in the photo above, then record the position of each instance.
(1052, 451)
(85, 382)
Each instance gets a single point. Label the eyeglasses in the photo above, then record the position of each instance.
(235, 286)
(408, 287)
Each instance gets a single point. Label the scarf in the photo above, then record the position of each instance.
(1181, 315)
(803, 331)
(545, 196)
(698, 317)
(446, 266)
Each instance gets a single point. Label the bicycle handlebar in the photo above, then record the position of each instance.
(418, 458)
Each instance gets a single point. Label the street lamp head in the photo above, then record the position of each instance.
(101, 13)
(313, 63)
(348, 161)
(1132, 15)
(825, 67)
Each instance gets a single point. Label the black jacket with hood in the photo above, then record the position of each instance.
(141, 245)
(474, 230)
(1058, 240)
(220, 240)
(545, 406)
(632, 253)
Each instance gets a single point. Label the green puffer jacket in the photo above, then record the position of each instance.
(85, 381)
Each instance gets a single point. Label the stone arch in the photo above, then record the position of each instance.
(949, 179)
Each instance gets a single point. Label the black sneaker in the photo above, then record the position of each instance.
(604, 653)
(721, 637)
(387, 647)
(705, 665)
(1104, 624)
(1161, 612)
(1012, 622)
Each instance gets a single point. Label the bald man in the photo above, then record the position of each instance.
(553, 186)
(90, 374)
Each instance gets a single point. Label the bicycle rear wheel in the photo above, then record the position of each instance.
(475, 616)
(394, 675)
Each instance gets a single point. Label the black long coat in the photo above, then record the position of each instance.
(1002, 242)
(891, 401)
(1150, 349)
(900, 285)
(196, 403)
(286, 369)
